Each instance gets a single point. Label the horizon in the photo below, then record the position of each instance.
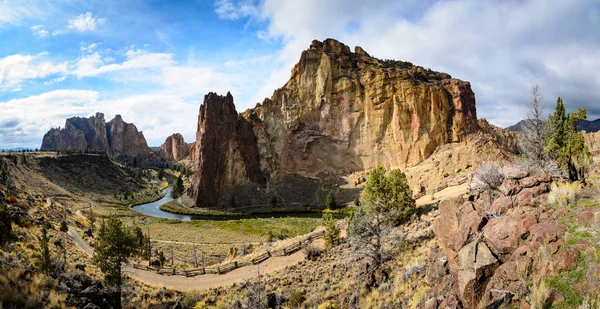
(153, 62)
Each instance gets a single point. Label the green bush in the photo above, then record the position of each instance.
(297, 298)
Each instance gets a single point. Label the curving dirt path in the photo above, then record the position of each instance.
(201, 282)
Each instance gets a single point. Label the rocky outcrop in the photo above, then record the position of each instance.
(116, 138)
(344, 111)
(490, 245)
(226, 151)
(175, 148)
(592, 141)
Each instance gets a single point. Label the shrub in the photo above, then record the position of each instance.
(312, 252)
(332, 233)
(296, 298)
(330, 304)
(489, 175)
(563, 193)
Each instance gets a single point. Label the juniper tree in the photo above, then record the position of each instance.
(391, 193)
(332, 232)
(115, 245)
(5, 225)
(44, 259)
(330, 202)
(177, 188)
(565, 144)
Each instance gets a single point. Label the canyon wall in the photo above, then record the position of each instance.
(340, 112)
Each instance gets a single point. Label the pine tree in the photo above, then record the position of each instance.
(332, 233)
(177, 188)
(63, 226)
(115, 245)
(5, 225)
(565, 144)
(44, 260)
(330, 201)
(391, 194)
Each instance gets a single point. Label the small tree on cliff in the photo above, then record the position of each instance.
(533, 140)
(565, 144)
(390, 193)
(115, 245)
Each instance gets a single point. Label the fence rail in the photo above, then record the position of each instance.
(223, 269)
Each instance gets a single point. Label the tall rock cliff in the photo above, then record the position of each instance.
(175, 148)
(116, 137)
(340, 112)
(227, 154)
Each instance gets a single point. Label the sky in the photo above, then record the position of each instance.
(153, 61)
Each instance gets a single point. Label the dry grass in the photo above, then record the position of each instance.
(563, 194)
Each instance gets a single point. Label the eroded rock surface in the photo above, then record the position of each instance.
(175, 148)
(340, 112)
(116, 137)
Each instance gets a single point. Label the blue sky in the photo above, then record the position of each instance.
(152, 61)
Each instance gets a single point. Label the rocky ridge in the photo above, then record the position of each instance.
(340, 112)
(116, 137)
(488, 247)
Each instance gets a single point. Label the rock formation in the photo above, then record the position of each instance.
(175, 148)
(592, 141)
(117, 137)
(489, 246)
(340, 112)
(227, 153)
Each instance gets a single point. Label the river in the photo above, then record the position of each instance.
(153, 209)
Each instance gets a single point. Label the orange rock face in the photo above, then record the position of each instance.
(343, 112)
(175, 148)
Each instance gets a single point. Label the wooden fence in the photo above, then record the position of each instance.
(225, 268)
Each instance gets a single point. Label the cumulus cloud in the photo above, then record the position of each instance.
(85, 22)
(16, 68)
(502, 47)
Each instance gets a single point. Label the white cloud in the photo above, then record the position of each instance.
(89, 48)
(502, 47)
(227, 9)
(39, 31)
(55, 80)
(85, 22)
(92, 65)
(16, 68)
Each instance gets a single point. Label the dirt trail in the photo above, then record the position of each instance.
(443, 194)
(201, 282)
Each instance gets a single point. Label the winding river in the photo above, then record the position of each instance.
(153, 208)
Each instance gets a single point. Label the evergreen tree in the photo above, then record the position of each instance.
(565, 144)
(44, 260)
(63, 226)
(5, 225)
(91, 217)
(391, 194)
(330, 201)
(332, 233)
(115, 245)
(177, 188)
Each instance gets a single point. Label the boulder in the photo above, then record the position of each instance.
(546, 233)
(502, 235)
(477, 265)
